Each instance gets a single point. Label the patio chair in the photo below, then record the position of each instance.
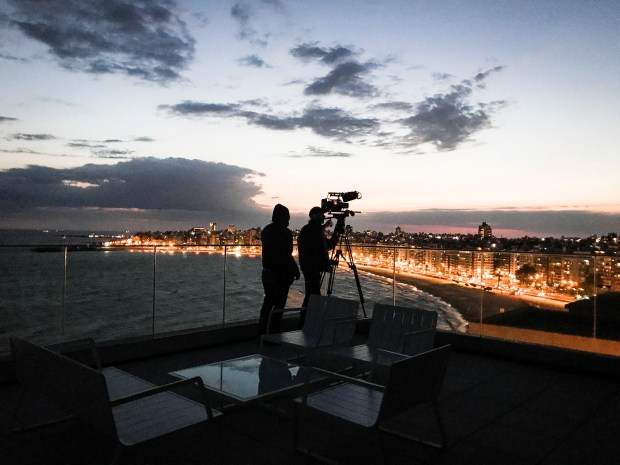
(123, 407)
(395, 332)
(412, 381)
(329, 321)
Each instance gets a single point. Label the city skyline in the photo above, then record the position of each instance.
(165, 115)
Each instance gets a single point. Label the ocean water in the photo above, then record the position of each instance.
(125, 293)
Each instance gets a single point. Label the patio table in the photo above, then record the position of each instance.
(250, 379)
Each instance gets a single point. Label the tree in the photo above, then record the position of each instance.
(524, 272)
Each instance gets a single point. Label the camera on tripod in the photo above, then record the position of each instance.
(336, 204)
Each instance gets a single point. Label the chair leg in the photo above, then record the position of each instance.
(118, 451)
(376, 434)
(296, 432)
(298, 411)
(24, 428)
(442, 430)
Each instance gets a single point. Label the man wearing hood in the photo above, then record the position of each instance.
(279, 267)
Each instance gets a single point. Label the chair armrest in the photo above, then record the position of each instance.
(288, 309)
(339, 378)
(342, 378)
(389, 355)
(196, 381)
(348, 379)
(79, 344)
(335, 322)
(414, 335)
(419, 333)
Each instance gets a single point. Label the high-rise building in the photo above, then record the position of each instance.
(485, 231)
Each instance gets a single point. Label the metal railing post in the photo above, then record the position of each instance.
(594, 299)
(64, 296)
(154, 290)
(224, 290)
(394, 276)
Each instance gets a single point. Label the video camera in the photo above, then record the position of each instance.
(336, 204)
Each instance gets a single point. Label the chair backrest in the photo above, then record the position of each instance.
(390, 324)
(321, 309)
(413, 381)
(72, 385)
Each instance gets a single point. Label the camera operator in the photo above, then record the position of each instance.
(313, 252)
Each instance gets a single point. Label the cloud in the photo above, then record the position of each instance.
(4, 119)
(444, 120)
(253, 61)
(247, 13)
(448, 120)
(397, 106)
(241, 11)
(31, 137)
(334, 123)
(145, 184)
(317, 152)
(85, 145)
(191, 108)
(345, 79)
(311, 51)
(144, 39)
(113, 154)
(12, 58)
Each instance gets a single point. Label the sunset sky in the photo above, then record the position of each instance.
(155, 114)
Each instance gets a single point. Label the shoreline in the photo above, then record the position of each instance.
(472, 304)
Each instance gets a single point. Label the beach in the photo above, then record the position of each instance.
(471, 303)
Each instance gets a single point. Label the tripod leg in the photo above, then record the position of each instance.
(352, 266)
(359, 287)
(334, 260)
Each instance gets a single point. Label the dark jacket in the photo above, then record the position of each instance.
(313, 248)
(277, 242)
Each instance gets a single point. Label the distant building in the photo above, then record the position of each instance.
(485, 231)
(212, 227)
(198, 235)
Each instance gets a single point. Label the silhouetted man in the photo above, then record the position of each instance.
(313, 252)
(279, 267)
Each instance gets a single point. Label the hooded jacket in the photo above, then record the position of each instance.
(277, 241)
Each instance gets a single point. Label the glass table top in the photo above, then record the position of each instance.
(247, 378)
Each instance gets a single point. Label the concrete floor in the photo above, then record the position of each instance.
(495, 412)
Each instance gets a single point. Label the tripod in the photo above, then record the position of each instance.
(347, 256)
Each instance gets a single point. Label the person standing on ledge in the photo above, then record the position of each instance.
(279, 267)
(313, 252)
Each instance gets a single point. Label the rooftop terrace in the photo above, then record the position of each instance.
(502, 402)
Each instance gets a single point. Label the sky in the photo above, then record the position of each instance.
(164, 115)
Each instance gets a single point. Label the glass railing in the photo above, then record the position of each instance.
(60, 293)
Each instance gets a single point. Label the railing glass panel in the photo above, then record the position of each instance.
(189, 290)
(108, 294)
(31, 291)
(50, 295)
(243, 287)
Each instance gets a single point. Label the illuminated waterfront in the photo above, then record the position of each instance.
(558, 277)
